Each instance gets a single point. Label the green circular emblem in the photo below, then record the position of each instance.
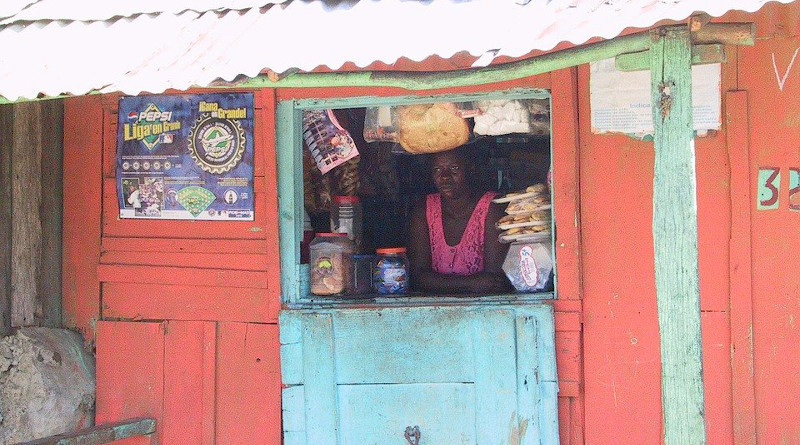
(216, 145)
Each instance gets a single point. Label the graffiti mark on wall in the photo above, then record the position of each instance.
(769, 183)
(782, 79)
(794, 189)
(769, 188)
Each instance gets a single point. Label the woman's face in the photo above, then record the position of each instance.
(449, 172)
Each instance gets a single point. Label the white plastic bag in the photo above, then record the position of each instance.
(528, 266)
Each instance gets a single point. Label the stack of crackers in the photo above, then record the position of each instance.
(528, 215)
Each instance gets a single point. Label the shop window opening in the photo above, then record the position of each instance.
(399, 200)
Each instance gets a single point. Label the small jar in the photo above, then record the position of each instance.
(308, 236)
(391, 271)
(346, 217)
(330, 266)
(362, 274)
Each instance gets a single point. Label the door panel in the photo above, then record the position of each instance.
(464, 375)
(379, 414)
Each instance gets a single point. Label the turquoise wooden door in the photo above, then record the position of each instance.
(462, 375)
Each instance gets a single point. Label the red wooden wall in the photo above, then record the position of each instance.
(750, 287)
(188, 309)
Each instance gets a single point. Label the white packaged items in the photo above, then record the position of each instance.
(499, 117)
(529, 266)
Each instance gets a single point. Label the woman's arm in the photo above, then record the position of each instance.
(424, 279)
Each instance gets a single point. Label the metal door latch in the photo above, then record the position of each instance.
(412, 435)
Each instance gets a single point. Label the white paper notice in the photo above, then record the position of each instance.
(621, 100)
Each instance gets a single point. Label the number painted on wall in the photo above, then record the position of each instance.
(769, 183)
(794, 189)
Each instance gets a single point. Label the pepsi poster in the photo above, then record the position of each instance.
(186, 157)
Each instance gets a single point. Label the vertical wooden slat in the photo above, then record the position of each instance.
(248, 408)
(52, 137)
(290, 190)
(675, 239)
(130, 374)
(741, 281)
(83, 155)
(566, 182)
(184, 382)
(320, 380)
(26, 229)
(209, 390)
(6, 140)
(495, 377)
(528, 377)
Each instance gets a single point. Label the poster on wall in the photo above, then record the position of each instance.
(621, 101)
(186, 157)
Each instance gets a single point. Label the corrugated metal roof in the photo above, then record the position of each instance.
(34, 10)
(175, 47)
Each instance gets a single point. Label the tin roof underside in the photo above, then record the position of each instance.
(152, 45)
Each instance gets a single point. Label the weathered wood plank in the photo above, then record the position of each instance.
(322, 413)
(6, 140)
(528, 376)
(184, 405)
(248, 387)
(181, 302)
(51, 213)
(102, 433)
(26, 228)
(108, 273)
(496, 377)
(83, 154)
(741, 282)
(566, 185)
(675, 239)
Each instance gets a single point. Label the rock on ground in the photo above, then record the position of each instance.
(47, 384)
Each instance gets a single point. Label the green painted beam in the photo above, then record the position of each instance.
(701, 55)
(102, 434)
(675, 239)
(465, 77)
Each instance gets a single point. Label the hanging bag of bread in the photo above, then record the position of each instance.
(431, 128)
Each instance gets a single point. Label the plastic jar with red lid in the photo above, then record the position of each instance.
(330, 265)
(391, 271)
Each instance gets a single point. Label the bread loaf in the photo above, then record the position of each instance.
(431, 128)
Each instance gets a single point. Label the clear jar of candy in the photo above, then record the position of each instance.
(391, 271)
(330, 264)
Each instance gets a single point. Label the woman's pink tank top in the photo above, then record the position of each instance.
(465, 258)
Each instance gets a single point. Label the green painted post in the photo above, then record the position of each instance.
(675, 238)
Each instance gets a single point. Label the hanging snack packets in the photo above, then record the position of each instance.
(528, 216)
(380, 125)
(329, 143)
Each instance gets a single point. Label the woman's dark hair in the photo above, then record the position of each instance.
(466, 152)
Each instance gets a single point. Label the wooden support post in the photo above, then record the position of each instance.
(26, 228)
(6, 142)
(675, 238)
(51, 210)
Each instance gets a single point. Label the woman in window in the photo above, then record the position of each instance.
(453, 246)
